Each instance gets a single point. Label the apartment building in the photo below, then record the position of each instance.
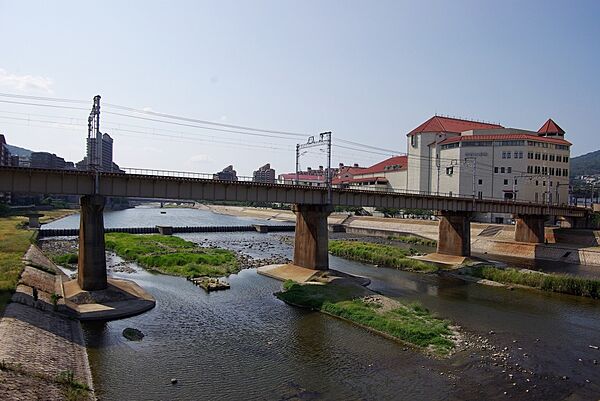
(264, 174)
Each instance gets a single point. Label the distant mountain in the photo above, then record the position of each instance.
(588, 164)
(21, 152)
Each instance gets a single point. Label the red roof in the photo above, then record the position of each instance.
(381, 166)
(550, 127)
(448, 124)
(504, 137)
(365, 179)
(302, 177)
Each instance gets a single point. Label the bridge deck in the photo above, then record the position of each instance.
(74, 182)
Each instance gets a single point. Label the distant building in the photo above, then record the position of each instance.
(303, 178)
(47, 160)
(264, 174)
(14, 160)
(227, 174)
(387, 175)
(4, 152)
(106, 163)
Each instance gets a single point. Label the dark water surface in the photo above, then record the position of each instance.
(244, 344)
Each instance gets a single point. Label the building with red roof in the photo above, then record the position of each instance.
(447, 155)
(389, 174)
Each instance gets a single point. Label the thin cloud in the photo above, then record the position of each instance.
(24, 83)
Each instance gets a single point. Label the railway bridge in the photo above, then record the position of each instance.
(311, 205)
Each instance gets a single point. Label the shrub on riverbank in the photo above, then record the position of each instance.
(561, 283)
(173, 255)
(14, 242)
(410, 323)
(378, 254)
(413, 239)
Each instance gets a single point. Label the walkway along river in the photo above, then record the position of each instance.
(245, 344)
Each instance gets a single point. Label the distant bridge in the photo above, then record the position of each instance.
(310, 205)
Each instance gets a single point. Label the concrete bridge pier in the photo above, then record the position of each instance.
(310, 246)
(530, 228)
(454, 236)
(91, 269)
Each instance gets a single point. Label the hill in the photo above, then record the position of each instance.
(588, 164)
(21, 152)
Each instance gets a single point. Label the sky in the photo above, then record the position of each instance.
(368, 71)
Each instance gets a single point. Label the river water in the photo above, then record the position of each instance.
(244, 344)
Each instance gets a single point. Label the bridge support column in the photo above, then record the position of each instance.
(530, 228)
(311, 241)
(91, 269)
(454, 237)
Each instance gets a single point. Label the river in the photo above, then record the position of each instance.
(244, 344)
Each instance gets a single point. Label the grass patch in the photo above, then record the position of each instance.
(377, 254)
(560, 283)
(173, 255)
(66, 259)
(14, 242)
(411, 323)
(413, 239)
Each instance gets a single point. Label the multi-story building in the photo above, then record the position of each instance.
(448, 156)
(227, 174)
(387, 175)
(106, 163)
(264, 174)
(4, 152)
(46, 160)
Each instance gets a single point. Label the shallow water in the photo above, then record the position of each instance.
(243, 343)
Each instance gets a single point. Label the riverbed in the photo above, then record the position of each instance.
(243, 343)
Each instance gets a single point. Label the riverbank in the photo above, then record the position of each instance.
(563, 245)
(408, 323)
(42, 352)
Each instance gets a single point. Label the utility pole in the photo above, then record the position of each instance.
(472, 162)
(95, 158)
(324, 140)
(297, 163)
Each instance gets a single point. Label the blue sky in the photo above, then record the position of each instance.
(368, 71)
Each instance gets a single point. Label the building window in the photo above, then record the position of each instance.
(537, 170)
(538, 156)
(550, 183)
(530, 155)
(565, 172)
(414, 141)
(480, 195)
(496, 170)
(449, 170)
(552, 158)
(529, 169)
(502, 169)
(505, 182)
(537, 183)
(565, 159)
(509, 170)
(558, 158)
(545, 156)
(480, 181)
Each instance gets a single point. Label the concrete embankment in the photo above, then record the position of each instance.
(43, 353)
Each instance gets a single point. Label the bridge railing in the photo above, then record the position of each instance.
(321, 184)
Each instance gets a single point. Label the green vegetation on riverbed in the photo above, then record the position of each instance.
(173, 255)
(14, 242)
(66, 259)
(413, 239)
(561, 283)
(377, 254)
(410, 323)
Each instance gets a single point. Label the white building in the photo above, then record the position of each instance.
(449, 156)
(388, 175)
